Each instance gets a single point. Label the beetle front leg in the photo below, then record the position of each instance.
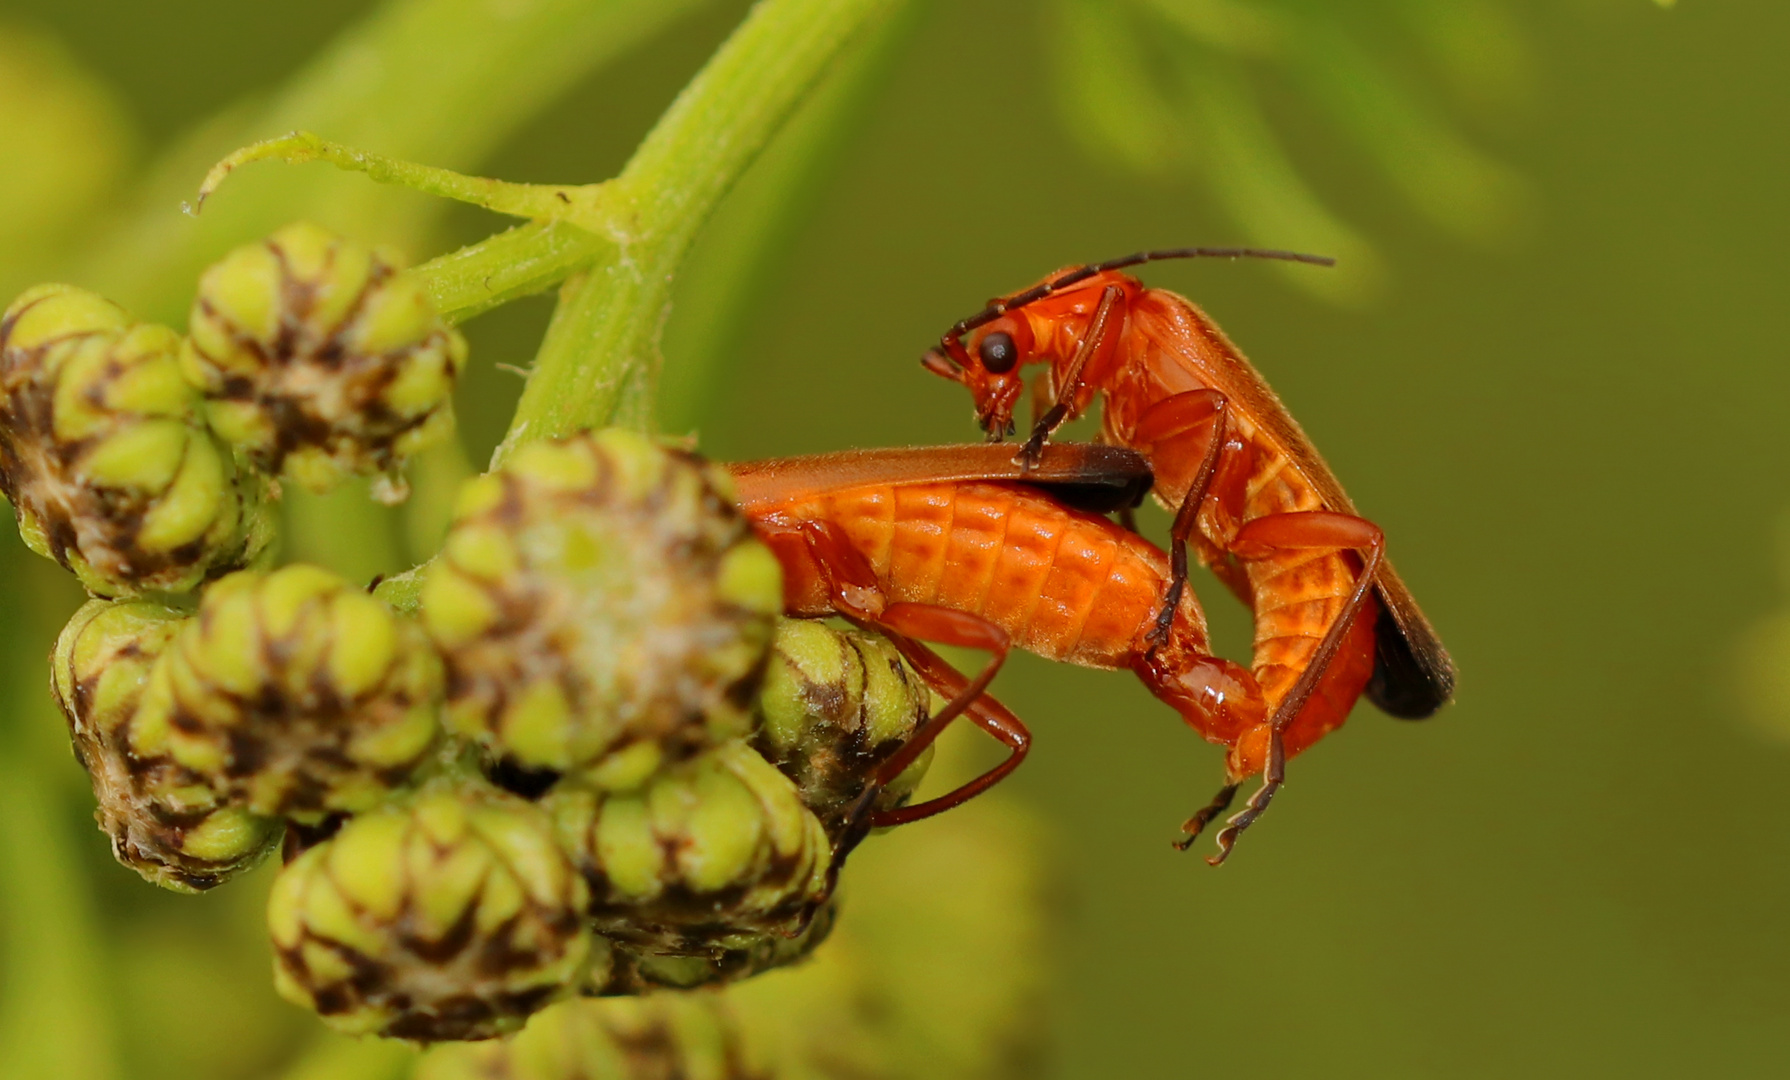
(1070, 384)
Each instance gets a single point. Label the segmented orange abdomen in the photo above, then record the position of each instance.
(1063, 584)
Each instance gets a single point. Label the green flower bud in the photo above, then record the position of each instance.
(627, 971)
(602, 605)
(164, 821)
(105, 455)
(294, 693)
(448, 915)
(711, 856)
(319, 360)
(836, 704)
(689, 1036)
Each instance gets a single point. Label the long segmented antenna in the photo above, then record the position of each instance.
(1038, 292)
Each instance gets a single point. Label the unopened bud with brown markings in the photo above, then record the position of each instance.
(601, 606)
(319, 360)
(294, 694)
(711, 856)
(620, 970)
(666, 1036)
(836, 704)
(448, 915)
(164, 820)
(105, 455)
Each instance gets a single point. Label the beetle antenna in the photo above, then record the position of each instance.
(1082, 273)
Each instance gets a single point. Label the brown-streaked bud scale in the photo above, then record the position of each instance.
(602, 607)
(709, 857)
(448, 915)
(836, 704)
(164, 820)
(319, 360)
(105, 454)
(293, 693)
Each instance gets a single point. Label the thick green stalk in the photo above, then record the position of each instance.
(605, 333)
(443, 81)
(736, 261)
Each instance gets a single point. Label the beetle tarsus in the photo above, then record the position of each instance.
(1196, 824)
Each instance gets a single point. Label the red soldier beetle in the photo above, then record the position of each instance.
(943, 543)
(1246, 486)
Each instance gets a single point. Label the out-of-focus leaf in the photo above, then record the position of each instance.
(1257, 185)
(66, 143)
(1478, 48)
(1107, 56)
(1762, 676)
(1243, 28)
(342, 1057)
(53, 1016)
(1443, 176)
(1103, 85)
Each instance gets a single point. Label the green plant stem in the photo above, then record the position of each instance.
(605, 333)
(520, 262)
(443, 81)
(737, 260)
(601, 349)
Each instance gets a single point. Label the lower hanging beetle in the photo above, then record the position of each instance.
(945, 544)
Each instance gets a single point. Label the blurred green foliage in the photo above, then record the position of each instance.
(1168, 88)
(1575, 870)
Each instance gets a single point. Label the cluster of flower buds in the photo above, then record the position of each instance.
(294, 694)
(448, 915)
(105, 455)
(142, 461)
(602, 607)
(319, 361)
(711, 856)
(164, 821)
(654, 1038)
(597, 762)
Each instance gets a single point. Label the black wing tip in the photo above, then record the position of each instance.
(1407, 683)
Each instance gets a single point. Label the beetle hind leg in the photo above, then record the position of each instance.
(1259, 539)
(1202, 817)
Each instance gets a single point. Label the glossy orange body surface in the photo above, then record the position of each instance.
(1063, 584)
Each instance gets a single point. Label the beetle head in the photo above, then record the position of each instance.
(989, 360)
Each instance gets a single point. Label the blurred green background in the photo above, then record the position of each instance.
(1551, 364)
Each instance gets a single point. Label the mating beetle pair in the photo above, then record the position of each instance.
(978, 546)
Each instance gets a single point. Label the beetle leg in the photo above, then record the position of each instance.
(857, 597)
(1071, 381)
(1172, 420)
(967, 697)
(903, 623)
(1257, 539)
(1041, 400)
(1202, 817)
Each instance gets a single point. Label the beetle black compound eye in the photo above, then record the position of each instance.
(998, 352)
